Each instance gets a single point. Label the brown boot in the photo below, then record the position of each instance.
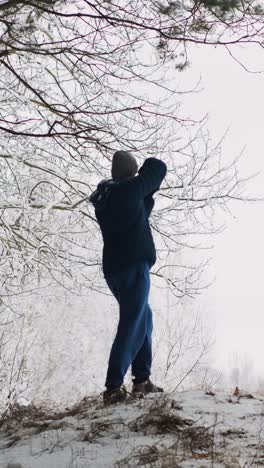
(115, 395)
(146, 387)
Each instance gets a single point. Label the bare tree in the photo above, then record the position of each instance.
(80, 80)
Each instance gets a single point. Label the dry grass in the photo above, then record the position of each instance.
(189, 440)
(100, 428)
(25, 421)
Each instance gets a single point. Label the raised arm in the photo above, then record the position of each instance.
(149, 178)
(149, 203)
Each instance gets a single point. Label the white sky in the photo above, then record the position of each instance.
(234, 98)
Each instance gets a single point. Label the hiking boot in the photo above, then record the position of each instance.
(114, 395)
(146, 387)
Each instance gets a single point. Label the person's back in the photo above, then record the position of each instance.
(122, 207)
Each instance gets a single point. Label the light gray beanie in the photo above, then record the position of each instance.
(124, 165)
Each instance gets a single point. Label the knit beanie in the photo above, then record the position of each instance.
(124, 165)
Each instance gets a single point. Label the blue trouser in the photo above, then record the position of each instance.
(132, 344)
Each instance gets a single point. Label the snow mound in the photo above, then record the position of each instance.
(190, 429)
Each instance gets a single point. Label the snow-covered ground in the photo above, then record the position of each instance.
(187, 429)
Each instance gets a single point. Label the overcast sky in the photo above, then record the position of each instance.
(234, 99)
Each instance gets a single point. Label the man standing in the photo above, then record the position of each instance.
(122, 206)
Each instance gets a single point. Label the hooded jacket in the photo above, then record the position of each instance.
(122, 208)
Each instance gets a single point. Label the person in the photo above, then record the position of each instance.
(123, 205)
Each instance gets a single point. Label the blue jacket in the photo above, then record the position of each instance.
(122, 208)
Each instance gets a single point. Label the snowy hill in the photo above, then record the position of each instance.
(189, 429)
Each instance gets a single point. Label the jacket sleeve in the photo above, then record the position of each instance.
(149, 178)
(149, 203)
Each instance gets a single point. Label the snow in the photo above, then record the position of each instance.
(183, 429)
